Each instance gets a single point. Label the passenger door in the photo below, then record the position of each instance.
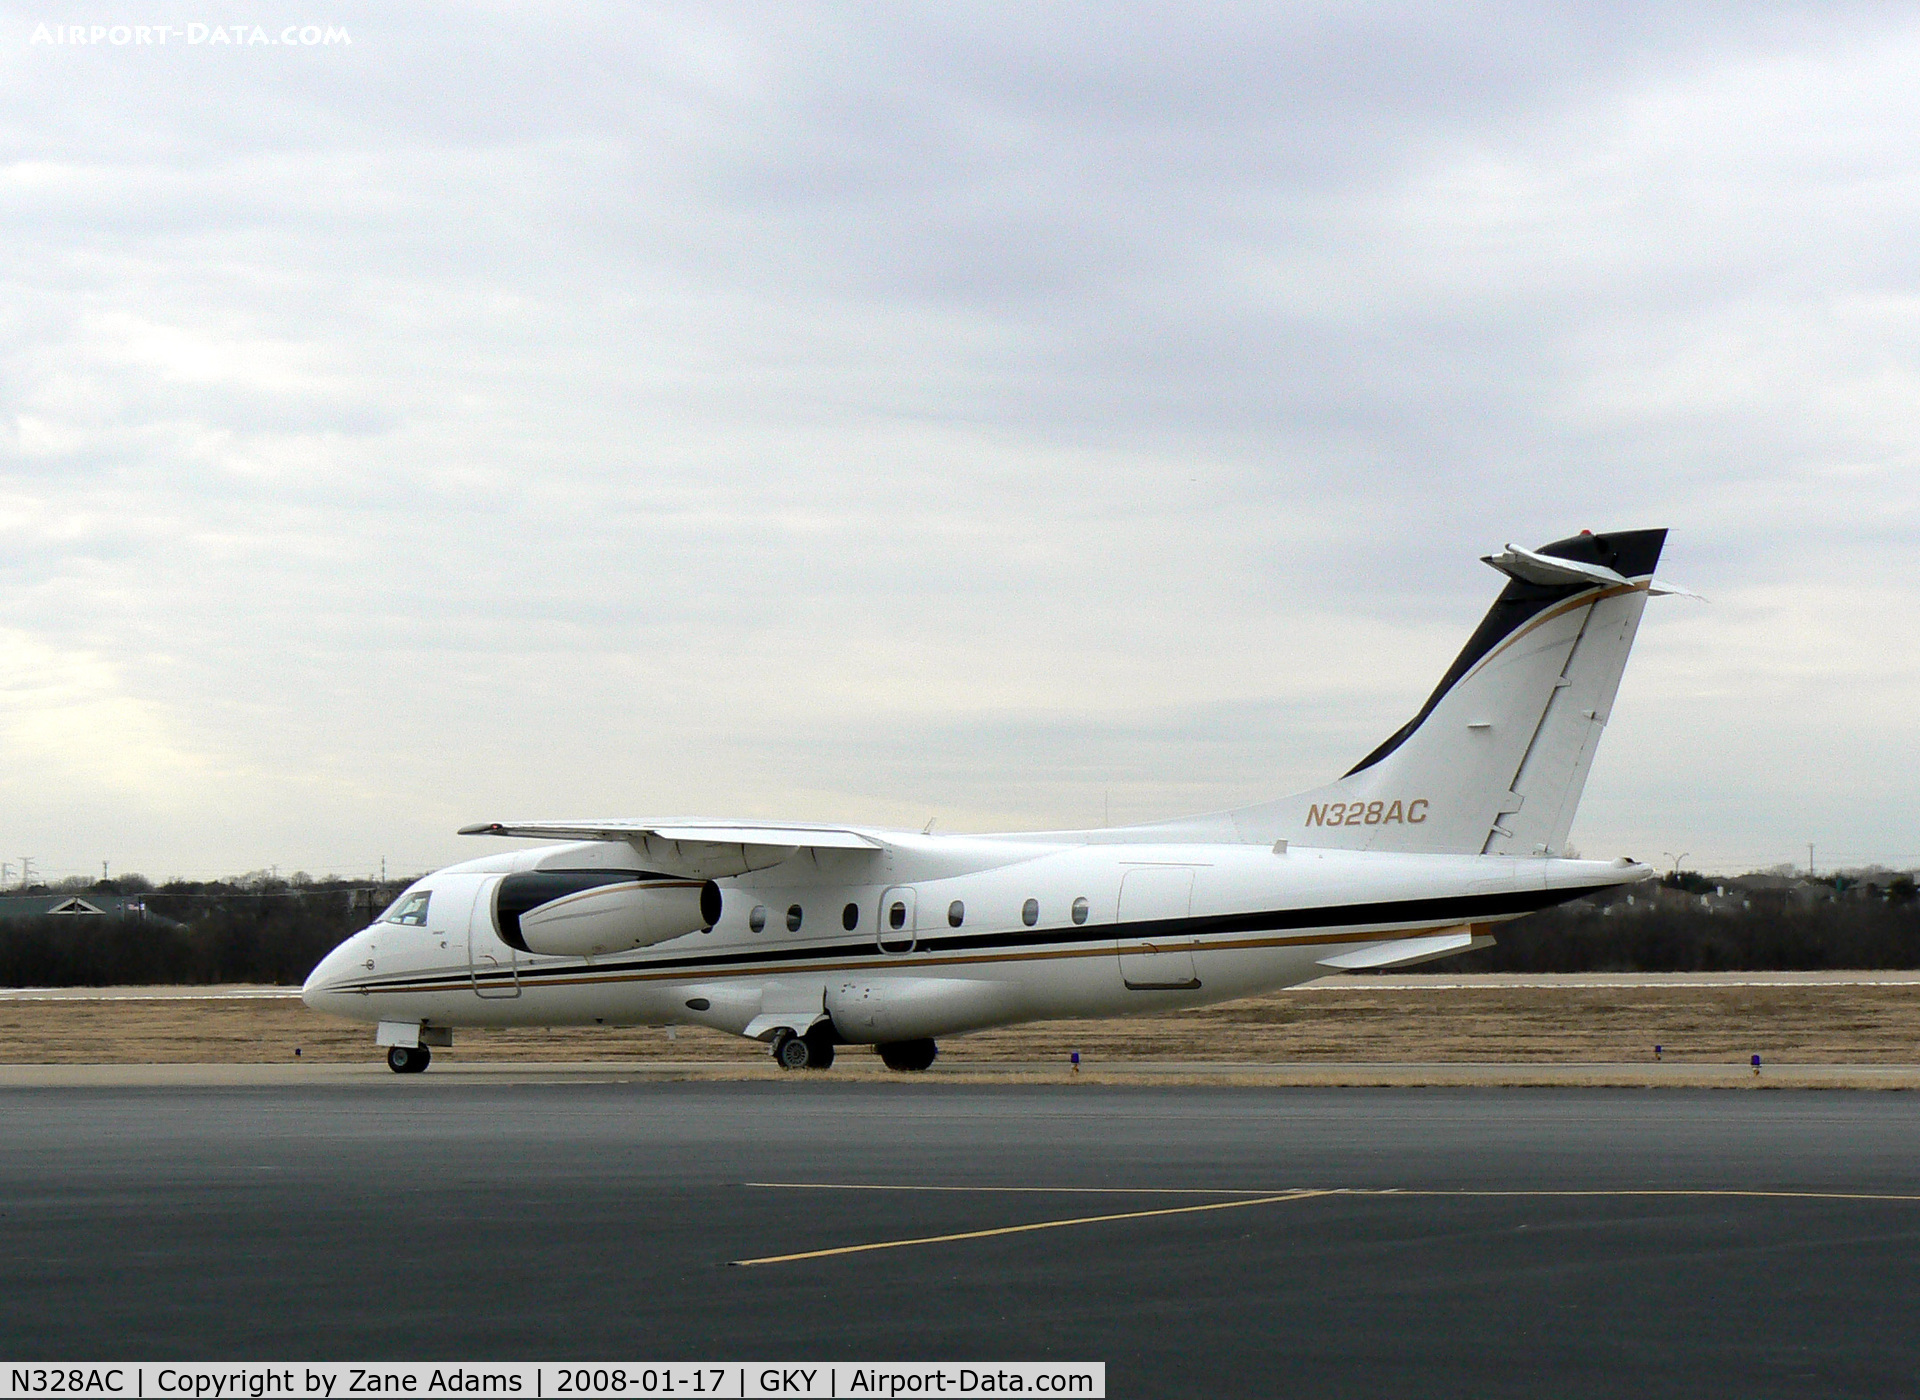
(493, 966)
(1150, 896)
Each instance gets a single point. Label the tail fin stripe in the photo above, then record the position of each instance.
(1630, 555)
(1585, 600)
(1478, 655)
(1513, 616)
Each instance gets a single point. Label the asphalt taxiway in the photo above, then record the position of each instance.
(1297, 1241)
(1644, 1074)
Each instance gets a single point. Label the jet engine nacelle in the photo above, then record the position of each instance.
(581, 913)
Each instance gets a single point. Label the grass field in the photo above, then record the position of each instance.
(1466, 1020)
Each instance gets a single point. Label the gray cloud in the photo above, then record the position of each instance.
(867, 412)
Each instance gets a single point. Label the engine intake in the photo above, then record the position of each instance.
(583, 913)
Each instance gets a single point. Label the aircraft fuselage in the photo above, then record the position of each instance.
(935, 935)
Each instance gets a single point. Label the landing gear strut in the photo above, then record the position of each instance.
(408, 1059)
(814, 1050)
(909, 1056)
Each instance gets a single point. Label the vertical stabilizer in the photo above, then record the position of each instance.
(1495, 761)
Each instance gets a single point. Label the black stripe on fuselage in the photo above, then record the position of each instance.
(1450, 909)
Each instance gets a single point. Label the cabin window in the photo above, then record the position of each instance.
(757, 920)
(793, 918)
(411, 911)
(897, 914)
(1030, 913)
(956, 914)
(850, 918)
(1080, 910)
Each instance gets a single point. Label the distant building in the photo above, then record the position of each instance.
(87, 905)
(77, 905)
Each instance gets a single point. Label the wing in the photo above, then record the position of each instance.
(705, 850)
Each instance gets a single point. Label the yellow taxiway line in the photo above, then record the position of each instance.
(1022, 1229)
(1242, 1196)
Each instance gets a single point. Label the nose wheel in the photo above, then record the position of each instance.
(408, 1059)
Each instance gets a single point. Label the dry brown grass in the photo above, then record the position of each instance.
(1860, 1025)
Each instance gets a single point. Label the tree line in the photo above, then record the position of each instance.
(190, 935)
(1682, 926)
(276, 933)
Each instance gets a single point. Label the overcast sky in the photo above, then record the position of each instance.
(1019, 416)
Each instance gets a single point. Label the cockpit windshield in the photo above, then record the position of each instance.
(409, 909)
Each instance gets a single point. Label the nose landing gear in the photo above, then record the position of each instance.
(408, 1059)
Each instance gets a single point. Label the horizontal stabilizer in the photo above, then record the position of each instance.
(1660, 588)
(1529, 566)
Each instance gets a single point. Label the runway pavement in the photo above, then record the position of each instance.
(1295, 1241)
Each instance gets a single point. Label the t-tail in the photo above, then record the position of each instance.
(1495, 761)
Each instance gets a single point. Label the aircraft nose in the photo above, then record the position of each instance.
(320, 990)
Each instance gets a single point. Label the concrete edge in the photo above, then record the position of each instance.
(1157, 1073)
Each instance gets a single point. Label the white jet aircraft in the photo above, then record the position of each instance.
(809, 936)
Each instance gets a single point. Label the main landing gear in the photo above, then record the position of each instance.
(408, 1059)
(814, 1050)
(909, 1056)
